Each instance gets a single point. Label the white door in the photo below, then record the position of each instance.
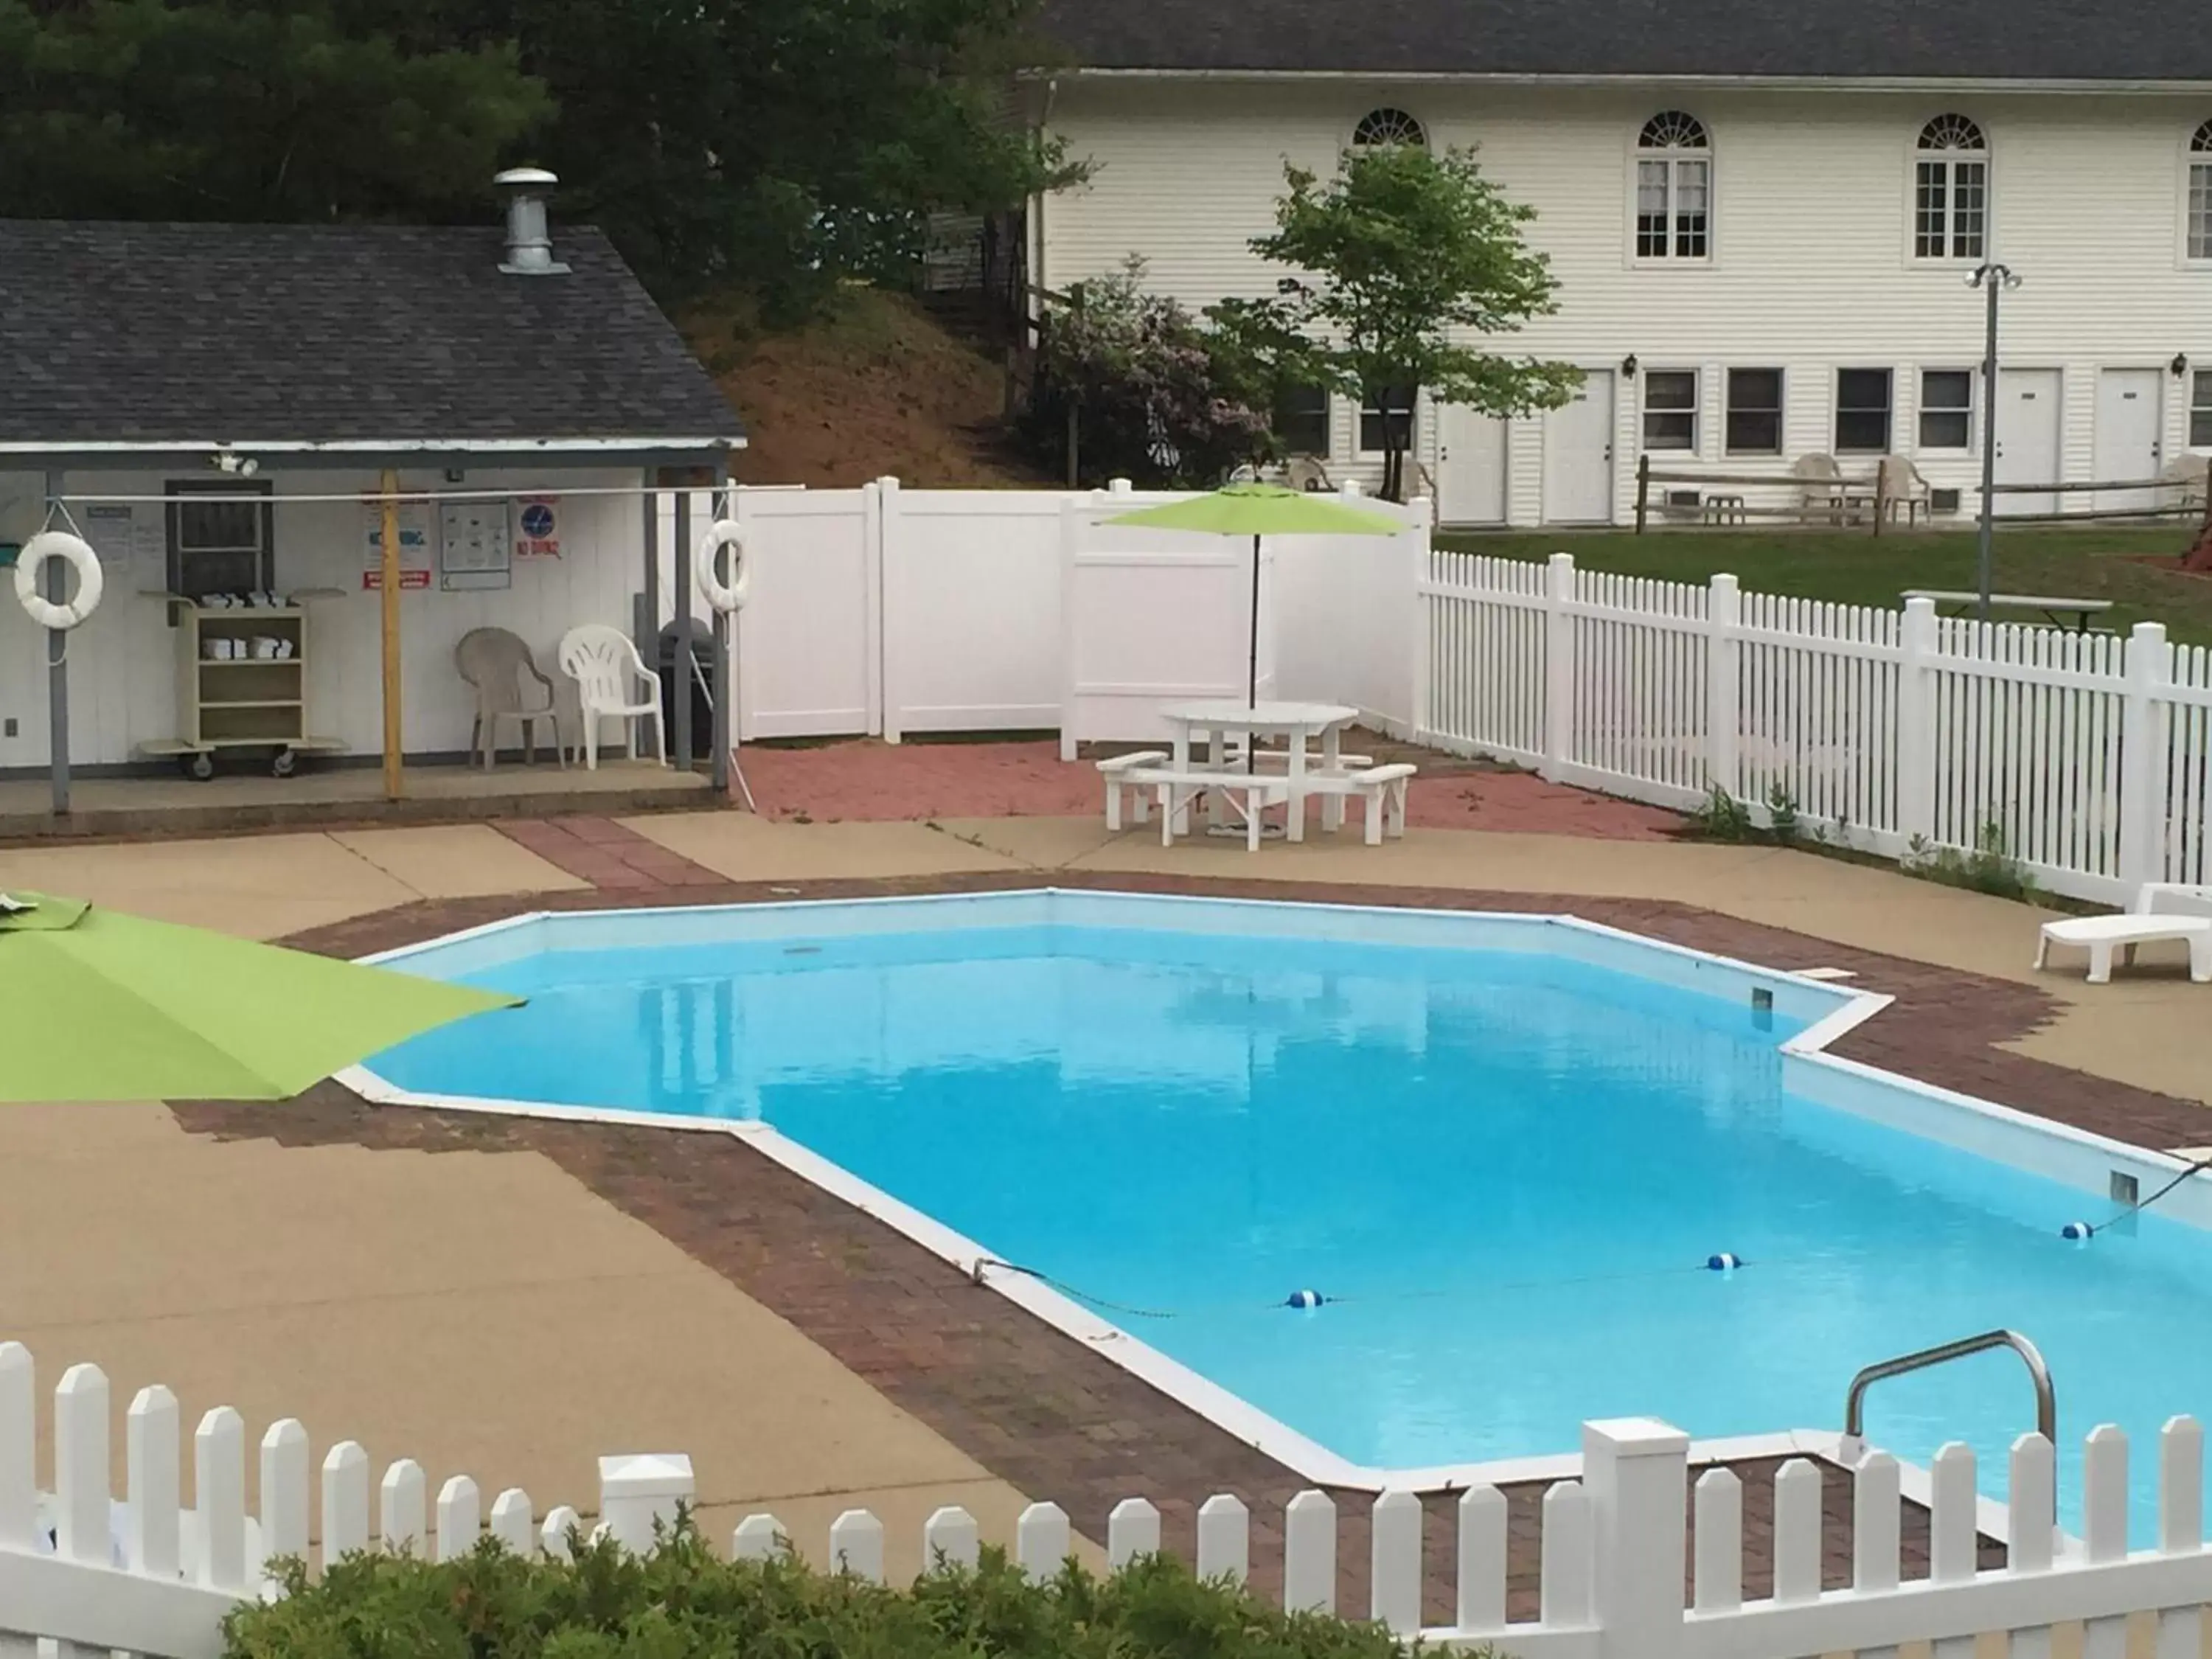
(2128, 420)
(2027, 436)
(1470, 467)
(1578, 454)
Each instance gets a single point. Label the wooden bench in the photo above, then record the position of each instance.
(1250, 794)
(1116, 769)
(1380, 789)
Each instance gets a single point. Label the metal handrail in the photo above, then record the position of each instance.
(2047, 1399)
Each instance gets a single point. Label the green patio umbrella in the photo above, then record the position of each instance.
(1259, 510)
(99, 1005)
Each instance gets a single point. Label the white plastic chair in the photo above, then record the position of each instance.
(607, 670)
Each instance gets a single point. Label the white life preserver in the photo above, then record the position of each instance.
(73, 551)
(723, 597)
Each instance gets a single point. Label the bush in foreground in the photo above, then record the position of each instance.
(683, 1601)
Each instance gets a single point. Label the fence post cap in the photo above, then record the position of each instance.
(1636, 1437)
(645, 1474)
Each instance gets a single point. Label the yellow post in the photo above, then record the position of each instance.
(388, 590)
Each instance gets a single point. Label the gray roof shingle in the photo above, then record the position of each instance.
(151, 333)
(2146, 40)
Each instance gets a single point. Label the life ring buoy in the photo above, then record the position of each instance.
(723, 597)
(73, 551)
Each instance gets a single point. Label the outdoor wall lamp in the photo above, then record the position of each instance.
(1628, 366)
(2179, 366)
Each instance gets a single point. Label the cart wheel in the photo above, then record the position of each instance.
(284, 763)
(198, 768)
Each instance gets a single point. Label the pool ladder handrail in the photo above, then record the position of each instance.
(2046, 1398)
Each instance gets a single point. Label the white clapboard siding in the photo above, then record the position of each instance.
(2087, 757)
(154, 1579)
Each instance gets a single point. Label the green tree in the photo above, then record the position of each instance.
(1408, 262)
(784, 145)
(210, 109)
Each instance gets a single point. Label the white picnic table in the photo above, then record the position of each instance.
(2056, 607)
(1297, 723)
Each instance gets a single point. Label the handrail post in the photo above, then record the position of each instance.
(1642, 490)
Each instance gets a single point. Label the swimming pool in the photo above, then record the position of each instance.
(1501, 1150)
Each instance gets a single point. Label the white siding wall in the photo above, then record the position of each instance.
(1811, 235)
(123, 670)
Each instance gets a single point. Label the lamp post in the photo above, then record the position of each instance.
(1991, 277)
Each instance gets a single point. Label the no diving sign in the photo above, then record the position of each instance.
(538, 527)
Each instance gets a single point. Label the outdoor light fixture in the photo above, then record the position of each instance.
(2179, 365)
(1628, 366)
(243, 466)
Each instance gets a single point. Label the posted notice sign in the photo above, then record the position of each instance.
(537, 526)
(413, 543)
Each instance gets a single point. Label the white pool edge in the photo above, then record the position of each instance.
(1266, 1434)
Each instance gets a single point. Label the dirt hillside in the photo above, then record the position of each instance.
(877, 388)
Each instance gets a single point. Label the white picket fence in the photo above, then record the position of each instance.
(147, 1577)
(2089, 755)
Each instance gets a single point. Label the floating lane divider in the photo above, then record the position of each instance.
(2082, 1232)
(1307, 1300)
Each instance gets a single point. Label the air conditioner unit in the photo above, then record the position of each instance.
(1942, 500)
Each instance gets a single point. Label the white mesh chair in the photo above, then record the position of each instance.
(609, 672)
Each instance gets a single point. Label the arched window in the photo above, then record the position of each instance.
(2200, 193)
(1673, 188)
(1380, 129)
(1950, 191)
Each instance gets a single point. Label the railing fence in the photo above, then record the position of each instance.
(2088, 758)
(1633, 1559)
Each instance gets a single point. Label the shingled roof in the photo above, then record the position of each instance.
(1988, 40)
(360, 334)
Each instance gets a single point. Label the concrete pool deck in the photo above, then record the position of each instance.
(486, 1310)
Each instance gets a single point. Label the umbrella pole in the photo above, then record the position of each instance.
(1252, 664)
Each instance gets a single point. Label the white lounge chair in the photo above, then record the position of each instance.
(2099, 934)
(608, 671)
(1116, 769)
(2172, 898)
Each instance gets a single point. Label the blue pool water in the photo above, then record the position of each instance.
(1505, 1170)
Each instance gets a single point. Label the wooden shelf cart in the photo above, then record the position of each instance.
(241, 700)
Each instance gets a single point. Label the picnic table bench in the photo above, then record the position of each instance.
(2057, 608)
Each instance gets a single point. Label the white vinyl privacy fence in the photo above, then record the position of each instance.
(1636, 1561)
(2083, 755)
(887, 611)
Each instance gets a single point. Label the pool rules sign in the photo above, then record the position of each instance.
(538, 527)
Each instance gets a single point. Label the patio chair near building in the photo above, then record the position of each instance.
(1899, 486)
(608, 672)
(497, 665)
(1819, 487)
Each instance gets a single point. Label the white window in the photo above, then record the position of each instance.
(1862, 411)
(2200, 410)
(1673, 188)
(2200, 193)
(1950, 191)
(1386, 408)
(1670, 408)
(1754, 411)
(1380, 129)
(1946, 408)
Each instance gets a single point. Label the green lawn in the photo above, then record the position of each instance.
(1857, 569)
